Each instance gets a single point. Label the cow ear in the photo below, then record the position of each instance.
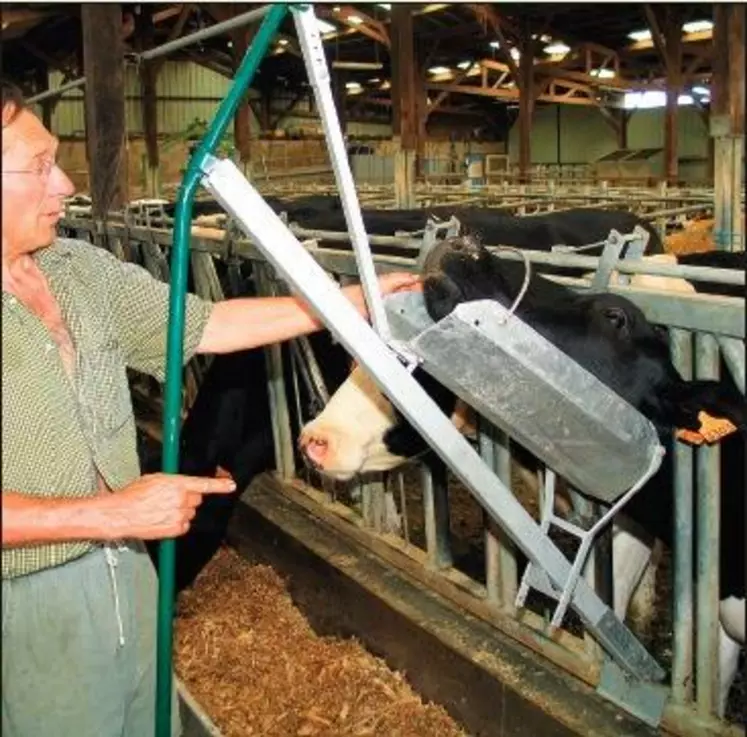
(618, 318)
(719, 399)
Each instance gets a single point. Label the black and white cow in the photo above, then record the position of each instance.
(361, 431)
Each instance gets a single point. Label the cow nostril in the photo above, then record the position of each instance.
(315, 448)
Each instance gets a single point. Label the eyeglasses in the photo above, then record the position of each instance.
(41, 169)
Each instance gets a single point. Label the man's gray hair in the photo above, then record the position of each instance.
(12, 101)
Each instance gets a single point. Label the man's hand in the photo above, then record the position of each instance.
(396, 281)
(160, 505)
(399, 281)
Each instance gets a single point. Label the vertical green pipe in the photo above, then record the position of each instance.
(175, 345)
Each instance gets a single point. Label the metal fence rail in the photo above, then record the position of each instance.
(703, 329)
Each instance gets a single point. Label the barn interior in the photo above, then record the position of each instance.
(314, 617)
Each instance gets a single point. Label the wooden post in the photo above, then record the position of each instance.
(622, 131)
(103, 52)
(727, 124)
(673, 36)
(617, 119)
(242, 38)
(421, 114)
(148, 72)
(148, 76)
(527, 97)
(405, 122)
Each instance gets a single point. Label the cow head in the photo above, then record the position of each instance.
(605, 333)
(360, 431)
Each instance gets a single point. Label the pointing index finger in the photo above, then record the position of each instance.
(208, 484)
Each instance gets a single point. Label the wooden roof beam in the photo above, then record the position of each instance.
(12, 16)
(509, 95)
(175, 32)
(614, 83)
(357, 20)
(486, 15)
(657, 35)
(687, 38)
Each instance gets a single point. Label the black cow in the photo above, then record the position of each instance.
(576, 227)
(360, 430)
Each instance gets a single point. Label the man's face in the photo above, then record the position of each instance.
(33, 186)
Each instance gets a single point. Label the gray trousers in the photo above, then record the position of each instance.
(79, 648)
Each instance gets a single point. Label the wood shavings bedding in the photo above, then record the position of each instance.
(252, 661)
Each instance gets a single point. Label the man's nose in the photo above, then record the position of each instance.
(60, 184)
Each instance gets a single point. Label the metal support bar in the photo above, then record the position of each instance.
(175, 350)
(316, 67)
(501, 577)
(682, 650)
(435, 484)
(277, 394)
(733, 353)
(708, 500)
(237, 21)
(537, 578)
(56, 92)
(215, 30)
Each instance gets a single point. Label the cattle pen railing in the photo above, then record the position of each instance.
(702, 330)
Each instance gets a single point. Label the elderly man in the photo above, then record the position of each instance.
(79, 592)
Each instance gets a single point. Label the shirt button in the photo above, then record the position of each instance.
(48, 347)
(12, 301)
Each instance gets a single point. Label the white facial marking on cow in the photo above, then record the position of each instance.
(346, 438)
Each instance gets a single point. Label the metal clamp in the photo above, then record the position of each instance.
(450, 229)
(536, 577)
(409, 359)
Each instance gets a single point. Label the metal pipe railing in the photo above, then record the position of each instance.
(683, 604)
(47, 94)
(237, 21)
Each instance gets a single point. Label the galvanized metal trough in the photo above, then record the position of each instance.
(533, 391)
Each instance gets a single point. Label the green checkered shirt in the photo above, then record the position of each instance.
(58, 432)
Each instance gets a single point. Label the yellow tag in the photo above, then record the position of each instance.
(712, 429)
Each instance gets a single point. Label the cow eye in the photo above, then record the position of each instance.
(616, 317)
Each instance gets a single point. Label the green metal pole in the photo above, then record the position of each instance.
(175, 345)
